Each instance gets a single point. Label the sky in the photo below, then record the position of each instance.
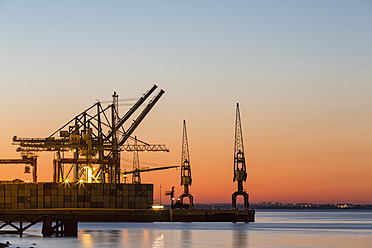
(300, 70)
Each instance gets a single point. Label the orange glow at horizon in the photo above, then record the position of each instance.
(317, 166)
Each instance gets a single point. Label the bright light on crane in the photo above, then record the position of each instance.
(89, 174)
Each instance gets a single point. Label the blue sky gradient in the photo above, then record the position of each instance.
(301, 71)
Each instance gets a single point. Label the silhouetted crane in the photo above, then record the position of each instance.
(186, 169)
(95, 139)
(240, 173)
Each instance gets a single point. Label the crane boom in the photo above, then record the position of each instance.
(151, 169)
(133, 109)
(140, 118)
(240, 171)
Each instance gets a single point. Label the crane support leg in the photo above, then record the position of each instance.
(54, 171)
(191, 198)
(240, 191)
(245, 195)
(34, 171)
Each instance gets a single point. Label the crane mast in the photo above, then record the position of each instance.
(114, 141)
(136, 177)
(240, 172)
(186, 169)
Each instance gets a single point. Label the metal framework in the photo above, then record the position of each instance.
(136, 172)
(186, 169)
(147, 169)
(94, 138)
(60, 224)
(32, 161)
(240, 173)
(136, 177)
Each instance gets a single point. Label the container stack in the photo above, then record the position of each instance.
(75, 195)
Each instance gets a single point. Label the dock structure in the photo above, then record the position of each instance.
(64, 222)
(132, 215)
(60, 206)
(54, 223)
(164, 215)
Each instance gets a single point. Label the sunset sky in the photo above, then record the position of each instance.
(301, 71)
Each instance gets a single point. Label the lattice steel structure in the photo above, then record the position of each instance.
(95, 139)
(136, 177)
(186, 169)
(240, 171)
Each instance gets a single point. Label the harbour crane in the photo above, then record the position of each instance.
(240, 171)
(185, 170)
(95, 138)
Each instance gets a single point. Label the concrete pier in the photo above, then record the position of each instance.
(141, 215)
(64, 222)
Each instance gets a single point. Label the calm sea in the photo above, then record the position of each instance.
(274, 228)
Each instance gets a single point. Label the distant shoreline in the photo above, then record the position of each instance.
(278, 205)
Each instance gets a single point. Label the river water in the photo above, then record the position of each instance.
(273, 228)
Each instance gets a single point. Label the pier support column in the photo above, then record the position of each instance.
(47, 229)
(65, 226)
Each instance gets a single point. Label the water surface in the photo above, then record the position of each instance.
(273, 228)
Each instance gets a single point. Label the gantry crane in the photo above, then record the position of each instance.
(185, 169)
(28, 161)
(240, 172)
(95, 139)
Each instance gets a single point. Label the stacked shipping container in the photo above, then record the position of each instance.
(75, 195)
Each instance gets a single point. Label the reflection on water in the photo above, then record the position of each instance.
(158, 242)
(272, 229)
(86, 239)
(240, 237)
(124, 236)
(186, 238)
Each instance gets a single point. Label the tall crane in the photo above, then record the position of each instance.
(186, 169)
(136, 177)
(240, 171)
(95, 138)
